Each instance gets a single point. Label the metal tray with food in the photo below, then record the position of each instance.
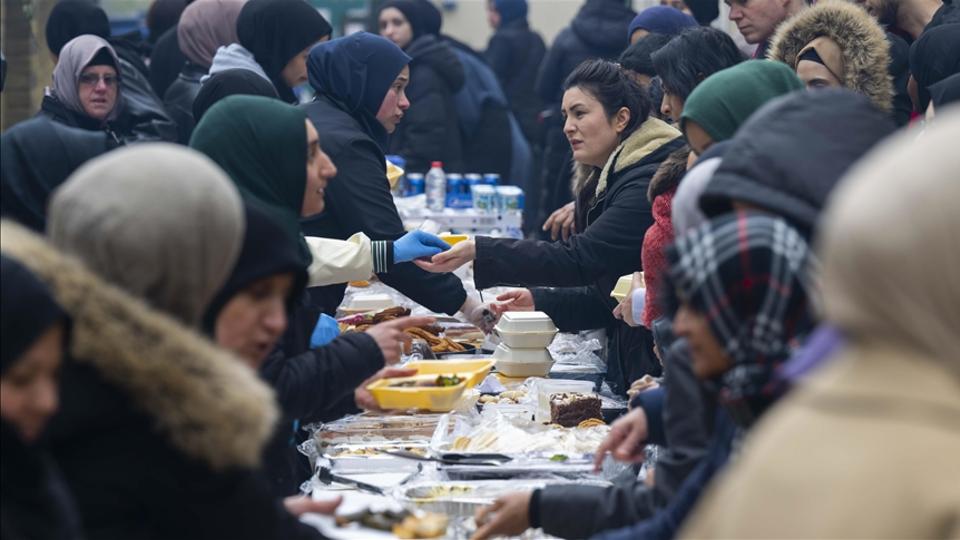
(461, 499)
(366, 457)
(368, 427)
(515, 435)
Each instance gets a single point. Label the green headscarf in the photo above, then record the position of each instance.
(724, 100)
(261, 143)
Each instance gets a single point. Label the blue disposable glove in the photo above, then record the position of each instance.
(416, 245)
(324, 332)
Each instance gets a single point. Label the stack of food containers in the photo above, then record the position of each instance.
(524, 336)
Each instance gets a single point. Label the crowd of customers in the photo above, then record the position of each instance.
(184, 212)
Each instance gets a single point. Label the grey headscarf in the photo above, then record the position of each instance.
(685, 211)
(158, 220)
(74, 57)
(205, 26)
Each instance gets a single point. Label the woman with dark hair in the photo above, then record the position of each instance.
(162, 16)
(35, 503)
(618, 148)
(278, 34)
(687, 60)
(431, 130)
(204, 27)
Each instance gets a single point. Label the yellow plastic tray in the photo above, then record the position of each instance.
(476, 369)
(436, 399)
(453, 239)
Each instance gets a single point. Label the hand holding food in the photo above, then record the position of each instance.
(562, 222)
(515, 300)
(301, 505)
(390, 336)
(417, 244)
(364, 399)
(450, 260)
(626, 439)
(627, 310)
(507, 516)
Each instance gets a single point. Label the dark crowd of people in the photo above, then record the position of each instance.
(182, 215)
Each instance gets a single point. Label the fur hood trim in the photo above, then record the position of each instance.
(866, 52)
(207, 402)
(650, 136)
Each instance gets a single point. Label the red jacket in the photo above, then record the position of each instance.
(657, 238)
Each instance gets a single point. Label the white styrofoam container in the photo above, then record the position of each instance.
(371, 302)
(526, 340)
(524, 369)
(526, 321)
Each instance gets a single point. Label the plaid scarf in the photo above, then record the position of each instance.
(749, 274)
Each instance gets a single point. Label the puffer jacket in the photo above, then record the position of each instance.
(179, 99)
(515, 53)
(159, 433)
(430, 130)
(599, 30)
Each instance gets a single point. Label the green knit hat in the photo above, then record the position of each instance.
(724, 100)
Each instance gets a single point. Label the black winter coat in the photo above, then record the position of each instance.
(311, 385)
(430, 129)
(179, 100)
(688, 410)
(35, 504)
(166, 61)
(159, 433)
(515, 53)
(28, 175)
(585, 268)
(599, 30)
(359, 200)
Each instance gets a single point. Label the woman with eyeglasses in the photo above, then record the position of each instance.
(86, 92)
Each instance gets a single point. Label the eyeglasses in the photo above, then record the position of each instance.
(91, 79)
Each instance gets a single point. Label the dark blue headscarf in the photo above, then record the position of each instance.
(661, 20)
(356, 72)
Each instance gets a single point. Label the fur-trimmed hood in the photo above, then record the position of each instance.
(207, 402)
(866, 54)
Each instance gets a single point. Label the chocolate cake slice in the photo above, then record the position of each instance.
(570, 408)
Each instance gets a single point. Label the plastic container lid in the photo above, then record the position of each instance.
(436, 164)
(525, 321)
(371, 301)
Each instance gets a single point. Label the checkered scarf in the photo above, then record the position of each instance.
(749, 274)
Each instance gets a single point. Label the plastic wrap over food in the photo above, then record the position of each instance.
(574, 353)
(496, 432)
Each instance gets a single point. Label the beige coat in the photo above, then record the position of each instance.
(869, 448)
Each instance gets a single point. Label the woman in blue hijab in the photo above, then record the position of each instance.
(360, 82)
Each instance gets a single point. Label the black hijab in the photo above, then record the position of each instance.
(277, 30)
(946, 91)
(934, 57)
(422, 20)
(33, 502)
(73, 18)
(162, 16)
(28, 175)
(230, 82)
(28, 310)
(356, 72)
(267, 251)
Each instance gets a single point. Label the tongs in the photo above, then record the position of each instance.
(325, 475)
(455, 459)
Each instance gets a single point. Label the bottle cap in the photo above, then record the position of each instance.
(436, 165)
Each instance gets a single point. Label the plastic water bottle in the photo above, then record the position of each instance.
(436, 187)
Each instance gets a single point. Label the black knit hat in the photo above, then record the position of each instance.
(73, 18)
